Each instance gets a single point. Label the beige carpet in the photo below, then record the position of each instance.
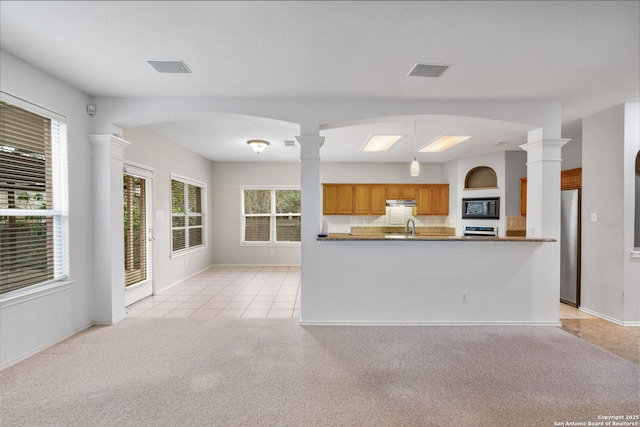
(228, 372)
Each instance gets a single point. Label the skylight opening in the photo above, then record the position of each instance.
(380, 143)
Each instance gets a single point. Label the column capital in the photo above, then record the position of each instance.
(108, 146)
(310, 146)
(547, 150)
(112, 139)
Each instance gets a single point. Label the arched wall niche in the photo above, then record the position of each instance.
(481, 177)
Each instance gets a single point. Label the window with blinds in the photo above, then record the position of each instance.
(271, 215)
(187, 214)
(32, 197)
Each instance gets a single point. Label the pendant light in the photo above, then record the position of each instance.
(414, 169)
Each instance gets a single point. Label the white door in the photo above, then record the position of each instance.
(138, 233)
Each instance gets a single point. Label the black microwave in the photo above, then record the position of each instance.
(481, 208)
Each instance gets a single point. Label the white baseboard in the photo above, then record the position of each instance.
(430, 323)
(256, 265)
(609, 318)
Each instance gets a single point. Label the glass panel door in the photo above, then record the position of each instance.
(137, 239)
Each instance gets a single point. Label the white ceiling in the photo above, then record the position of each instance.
(583, 54)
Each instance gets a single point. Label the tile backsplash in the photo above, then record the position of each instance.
(516, 225)
(343, 223)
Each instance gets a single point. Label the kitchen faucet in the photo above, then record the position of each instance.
(413, 227)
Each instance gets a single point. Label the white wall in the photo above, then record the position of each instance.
(515, 168)
(631, 264)
(379, 173)
(610, 277)
(30, 325)
(226, 212)
(166, 157)
(572, 154)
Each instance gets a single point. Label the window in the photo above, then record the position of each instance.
(187, 214)
(271, 215)
(33, 202)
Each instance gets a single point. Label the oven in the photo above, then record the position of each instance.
(481, 231)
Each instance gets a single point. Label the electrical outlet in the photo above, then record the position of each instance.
(273, 253)
(464, 296)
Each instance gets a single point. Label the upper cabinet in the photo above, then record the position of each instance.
(337, 199)
(378, 200)
(370, 199)
(400, 191)
(432, 199)
(362, 200)
(571, 179)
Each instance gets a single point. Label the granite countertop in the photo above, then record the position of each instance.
(423, 237)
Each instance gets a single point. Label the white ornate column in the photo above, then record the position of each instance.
(544, 160)
(310, 188)
(108, 229)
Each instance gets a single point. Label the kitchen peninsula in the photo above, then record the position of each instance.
(433, 280)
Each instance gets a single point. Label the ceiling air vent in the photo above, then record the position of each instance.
(289, 143)
(428, 70)
(172, 67)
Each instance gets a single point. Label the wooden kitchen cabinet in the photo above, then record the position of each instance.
(432, 199)
(393, 192)
(523, 196)
(400, 191)
(441, 199)
(378, 200)
(362, 199)
(369, 199)
(571, 179)
(337, 199)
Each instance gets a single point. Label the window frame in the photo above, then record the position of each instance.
(203, 215)
(272, 216)
(59, 211)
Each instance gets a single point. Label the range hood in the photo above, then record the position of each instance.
(401, 203)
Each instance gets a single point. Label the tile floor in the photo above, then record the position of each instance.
(250, 292)
(621, 340)
(240, 292)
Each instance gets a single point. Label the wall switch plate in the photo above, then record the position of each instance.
(594, 216)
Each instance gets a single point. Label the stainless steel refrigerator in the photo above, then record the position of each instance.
(570, 247)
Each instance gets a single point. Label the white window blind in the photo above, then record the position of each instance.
(33, 196)
(187, 214)
(271, 215)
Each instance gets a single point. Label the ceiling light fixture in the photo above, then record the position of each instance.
(442, 143)
(379, 143)
(414, 168)
(258, 145)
